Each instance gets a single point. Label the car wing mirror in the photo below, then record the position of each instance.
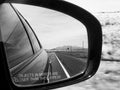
(71, 42)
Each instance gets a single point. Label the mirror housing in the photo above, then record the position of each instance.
(94, 43)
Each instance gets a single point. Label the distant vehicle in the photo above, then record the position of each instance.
(23, 50)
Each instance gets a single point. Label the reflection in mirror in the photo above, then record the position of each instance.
(61, 52)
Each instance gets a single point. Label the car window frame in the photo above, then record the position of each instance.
(27, 32)
(27, 37)
(25, 22)
(35, 53)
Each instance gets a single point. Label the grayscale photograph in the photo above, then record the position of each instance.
(55, 43)
(60, 44)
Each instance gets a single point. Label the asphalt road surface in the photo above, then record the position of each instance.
(61, 66)
(65, 66)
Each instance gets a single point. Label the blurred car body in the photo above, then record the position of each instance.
(24, 52)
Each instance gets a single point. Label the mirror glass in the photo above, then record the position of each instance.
(49, 46)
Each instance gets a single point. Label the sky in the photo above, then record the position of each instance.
(57, 29)
(53, 28)
(98, 5)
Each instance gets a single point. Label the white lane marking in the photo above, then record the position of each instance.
(65, 71)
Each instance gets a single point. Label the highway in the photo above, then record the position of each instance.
(60, 65)
(64, 66)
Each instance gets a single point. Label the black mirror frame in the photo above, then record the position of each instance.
(94, 43)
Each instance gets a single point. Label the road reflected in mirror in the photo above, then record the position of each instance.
(49, 46)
